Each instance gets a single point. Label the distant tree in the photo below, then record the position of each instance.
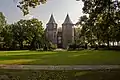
(7, 36)
(19, 30)
(28, 32)
(2, 21)
(35, 33)
(2, 24)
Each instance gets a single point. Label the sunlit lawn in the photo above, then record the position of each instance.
(60, 57)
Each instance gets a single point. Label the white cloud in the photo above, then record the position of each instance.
(29, 16)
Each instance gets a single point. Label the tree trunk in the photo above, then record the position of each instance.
(117, 43)
(108, 45)
(33, 44)
(113, 43)
(21, 45)
(99, 44)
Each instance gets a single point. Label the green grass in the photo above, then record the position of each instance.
(59, 75)
(60, 57)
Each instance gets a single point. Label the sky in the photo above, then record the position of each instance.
(59, 8)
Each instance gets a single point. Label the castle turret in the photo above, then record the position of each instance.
(51, 30)
(67, 32)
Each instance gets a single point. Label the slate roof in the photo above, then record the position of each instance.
(67, 20)
(52, 20)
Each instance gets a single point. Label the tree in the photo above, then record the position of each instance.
(2, 24)
(7, 36)
(102, 19)
(82, 21)
(28, 32)
(24, 5)
(2, 21)
(77, 35)
(35, 32)
(19, 31)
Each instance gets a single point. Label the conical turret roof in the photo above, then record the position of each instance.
(67, 20)
(52, 20)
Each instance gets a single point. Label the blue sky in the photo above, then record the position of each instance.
(59, 8)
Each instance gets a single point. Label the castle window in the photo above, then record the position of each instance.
(59, 41)
(59, 38)
(55, 27)
(54, 34)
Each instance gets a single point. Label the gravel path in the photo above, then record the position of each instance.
(60, 67)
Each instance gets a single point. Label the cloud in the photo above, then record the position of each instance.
(29, 16)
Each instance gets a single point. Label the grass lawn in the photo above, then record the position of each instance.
(60, 57)
(59, 75)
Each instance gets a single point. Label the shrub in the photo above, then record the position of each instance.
(49, 46)
(54, 46)
(76, 47)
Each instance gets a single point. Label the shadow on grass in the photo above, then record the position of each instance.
(59, 75)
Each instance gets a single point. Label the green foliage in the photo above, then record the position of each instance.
(49, 46)
(7, 36)
(2, 21)
(35, 33)
(23, 33)
(24, 5)
(77, 46)
(53, 46)
(30, 31)
(2, 25)
(102, 24)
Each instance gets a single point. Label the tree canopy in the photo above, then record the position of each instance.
(2, 21)
(103, 22)
(24, 5)
(2, 25)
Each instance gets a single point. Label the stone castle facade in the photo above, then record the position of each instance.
(61, 36)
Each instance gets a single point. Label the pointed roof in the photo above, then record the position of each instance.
(67, 20)
(52, 20)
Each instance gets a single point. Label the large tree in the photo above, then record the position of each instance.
(7, 36)
(19, 31)
(24, 5)
(27, 32)
(2, 24)
(103, 22)
(2, 21)
(35, 32)
(84, 33)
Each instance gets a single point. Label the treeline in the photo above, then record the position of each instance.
(24, 34)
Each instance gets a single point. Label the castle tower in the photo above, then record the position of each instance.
(67, 32)
(51, 30)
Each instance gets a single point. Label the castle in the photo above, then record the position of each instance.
(62, 36)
